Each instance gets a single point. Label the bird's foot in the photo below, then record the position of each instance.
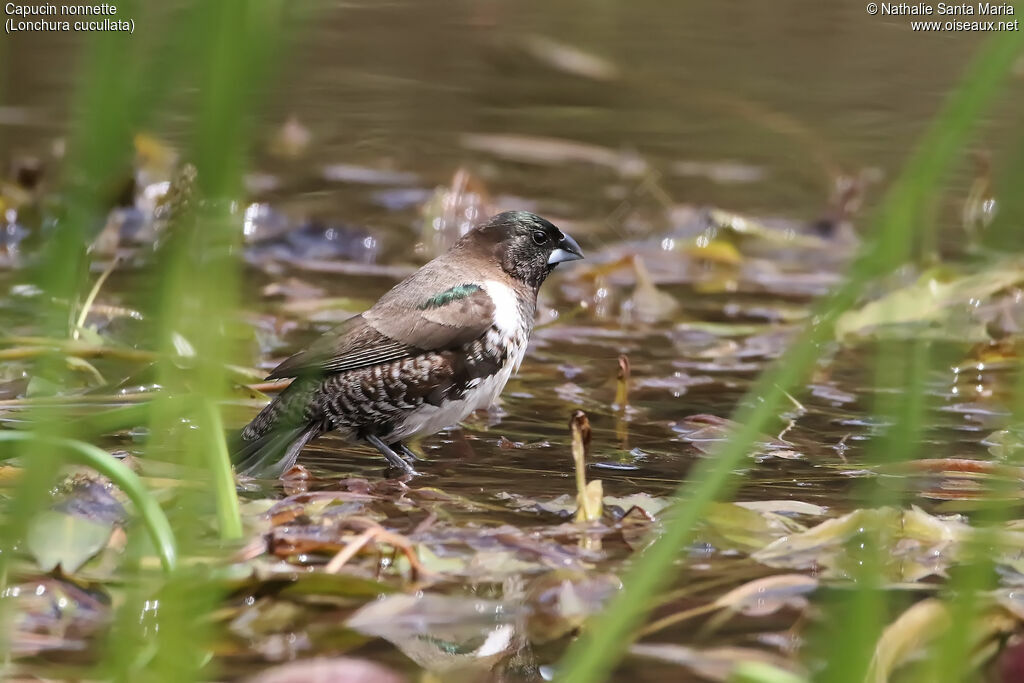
(395, 461)
(406, 452)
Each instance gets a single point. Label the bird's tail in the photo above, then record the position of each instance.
(272, 454)
(269, 446)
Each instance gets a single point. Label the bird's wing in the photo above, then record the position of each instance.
(353, 344)
(397, 327)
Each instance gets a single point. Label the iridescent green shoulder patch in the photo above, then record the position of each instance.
(449, 295)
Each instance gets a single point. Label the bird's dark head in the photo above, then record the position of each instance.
(526, 246)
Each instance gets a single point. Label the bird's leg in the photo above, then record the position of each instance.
(393, 458)
(406, 451)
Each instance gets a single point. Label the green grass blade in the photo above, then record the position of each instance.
(229, 516)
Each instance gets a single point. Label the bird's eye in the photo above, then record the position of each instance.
(540, 237)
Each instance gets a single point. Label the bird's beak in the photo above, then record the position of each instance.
(567, 250)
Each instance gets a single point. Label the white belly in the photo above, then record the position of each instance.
(428, 419)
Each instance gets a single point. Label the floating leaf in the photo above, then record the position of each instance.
(919, 544)
(748, 227)
(731, 526)
(904, 637)
(335, 587)
(713, 664)
(938, 305)
(785, 507)
(266, 617)
(441, 632)
(765, 596)
(65, 540)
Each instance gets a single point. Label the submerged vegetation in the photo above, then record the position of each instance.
(741, 448)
